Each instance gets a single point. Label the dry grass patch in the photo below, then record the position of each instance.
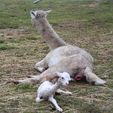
(20, 48)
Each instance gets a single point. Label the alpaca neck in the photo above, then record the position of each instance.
(51, 37)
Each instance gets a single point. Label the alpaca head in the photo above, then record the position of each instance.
(39, 14)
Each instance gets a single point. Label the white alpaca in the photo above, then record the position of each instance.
(47, 89)
(62, 56)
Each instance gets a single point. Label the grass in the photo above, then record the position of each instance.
(84, 23)
(7, 46)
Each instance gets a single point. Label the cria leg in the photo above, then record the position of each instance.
(64, 92)
(41, 66)
(54, 102)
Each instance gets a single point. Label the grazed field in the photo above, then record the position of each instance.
(84, 23)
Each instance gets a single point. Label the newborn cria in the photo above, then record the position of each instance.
(47, 89)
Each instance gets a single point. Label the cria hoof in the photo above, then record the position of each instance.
(60, 109)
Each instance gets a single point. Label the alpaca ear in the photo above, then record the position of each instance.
(48, 11)
(33, 14)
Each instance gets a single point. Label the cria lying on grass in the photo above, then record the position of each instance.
(47, 89)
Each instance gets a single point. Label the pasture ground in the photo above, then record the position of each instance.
(84, 23)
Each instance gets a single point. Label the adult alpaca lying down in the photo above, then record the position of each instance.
(62, 56)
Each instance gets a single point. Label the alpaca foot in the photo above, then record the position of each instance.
(99, 82)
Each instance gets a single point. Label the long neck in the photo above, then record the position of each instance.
(51, 37)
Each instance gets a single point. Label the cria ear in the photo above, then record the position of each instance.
(50, 77)
(58, 74)
(53, 78)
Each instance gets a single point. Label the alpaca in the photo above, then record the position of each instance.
(47, 89)
(62, 57)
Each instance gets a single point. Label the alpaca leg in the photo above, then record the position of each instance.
(41, 66)
(33, 80)
(63, 92)
(46, 75)
(92, 77)
(54, 102)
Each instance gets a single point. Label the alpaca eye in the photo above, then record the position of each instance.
(38, 15)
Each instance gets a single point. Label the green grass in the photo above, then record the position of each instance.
(25, 88)
(7, 46)
(83, 23)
